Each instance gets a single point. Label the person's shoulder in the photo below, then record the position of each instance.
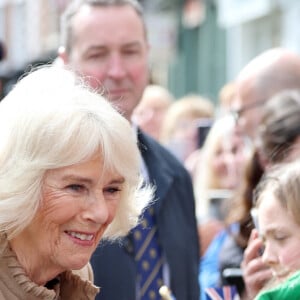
(231, 253)
(230, 245)
(289, 289)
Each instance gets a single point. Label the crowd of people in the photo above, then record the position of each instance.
(114, 189)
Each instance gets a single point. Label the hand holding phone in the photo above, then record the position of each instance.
(255, 272)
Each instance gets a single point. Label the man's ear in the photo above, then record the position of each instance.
(63, 56)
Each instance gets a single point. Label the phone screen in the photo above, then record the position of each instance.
(203, 128)
(234, 276)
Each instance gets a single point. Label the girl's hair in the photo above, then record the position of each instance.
(283, 181)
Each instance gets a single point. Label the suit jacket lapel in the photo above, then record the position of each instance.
(160, 174)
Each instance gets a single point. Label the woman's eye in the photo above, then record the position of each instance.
(76, 187)
(112, 190)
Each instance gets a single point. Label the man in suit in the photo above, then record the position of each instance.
(106, 42)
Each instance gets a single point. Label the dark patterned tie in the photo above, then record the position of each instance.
(148, 257)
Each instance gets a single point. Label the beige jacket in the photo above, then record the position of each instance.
(15, 285)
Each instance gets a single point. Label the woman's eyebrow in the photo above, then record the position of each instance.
(77, 178)
(118, 181)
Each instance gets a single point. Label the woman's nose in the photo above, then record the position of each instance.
(97, 209)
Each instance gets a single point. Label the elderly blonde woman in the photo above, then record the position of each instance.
(69, 176)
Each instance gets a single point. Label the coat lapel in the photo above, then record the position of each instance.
(160, 173)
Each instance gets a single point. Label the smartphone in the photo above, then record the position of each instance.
(203, 127)
(234, 276)
(254, 216)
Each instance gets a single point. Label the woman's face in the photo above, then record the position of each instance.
(281, 237)
(228, 161)
(78, 203)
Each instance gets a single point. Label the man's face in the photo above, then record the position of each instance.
(248, 107)
(110, 49)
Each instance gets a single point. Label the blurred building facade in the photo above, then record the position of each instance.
(196, 45)
(256, 25)
(29, 30)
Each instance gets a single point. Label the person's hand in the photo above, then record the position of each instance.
(255, 272)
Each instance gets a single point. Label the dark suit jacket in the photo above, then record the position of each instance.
(113, 264)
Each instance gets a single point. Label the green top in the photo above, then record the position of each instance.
(289, 290)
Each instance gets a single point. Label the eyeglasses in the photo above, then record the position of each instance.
(238, 112)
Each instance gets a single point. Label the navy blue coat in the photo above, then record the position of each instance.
(113, 264)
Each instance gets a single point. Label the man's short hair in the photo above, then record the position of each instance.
(74, 7)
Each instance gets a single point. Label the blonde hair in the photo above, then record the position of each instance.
(190, 106)
(283, 181)
(157, 91)
(205, 177)
(51, 120)
(227, 95)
